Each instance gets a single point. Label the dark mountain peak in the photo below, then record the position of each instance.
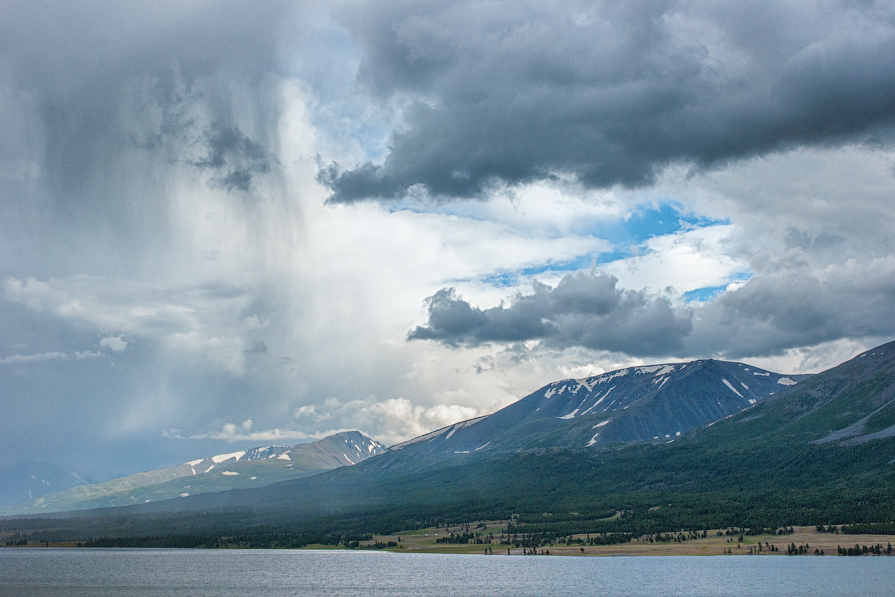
(349, 447)
(640, 403)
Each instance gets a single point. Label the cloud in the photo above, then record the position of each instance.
(18, 359)
(611, 93)
(121, 112)
(238, 433)
(225, 352)
(158, 180)
(394, 419)
(114, 343)
(196, 319)
(797, 308)
(309, 411)
(237, 159)
(584, 309)
(32, 358)
(768, 315)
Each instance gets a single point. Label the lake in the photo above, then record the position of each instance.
(174, 572)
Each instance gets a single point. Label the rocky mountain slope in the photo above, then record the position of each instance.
(248, 468)
(650, 403)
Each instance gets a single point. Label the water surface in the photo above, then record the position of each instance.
(175, 572)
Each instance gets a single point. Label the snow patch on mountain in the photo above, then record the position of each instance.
(665, 370)
(438, 432)
(603, 397)
(732, 389)
(582, 383)
(225, 457)
(606, 377)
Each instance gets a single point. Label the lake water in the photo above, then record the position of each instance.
(173, 572)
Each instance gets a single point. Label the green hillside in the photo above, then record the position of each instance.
(820, 452)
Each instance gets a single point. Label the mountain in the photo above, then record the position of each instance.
(821, 451)
(848, 405)
(650, 403)
(26, 480)
(248, 468)
(653, 404)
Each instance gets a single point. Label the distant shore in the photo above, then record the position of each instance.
(424, 541)
(803, 540)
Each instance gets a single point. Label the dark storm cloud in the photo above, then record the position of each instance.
(611, 92)
(793, 309)
(101, 75)
(583, 310)
(114, 116)
(766, 316)
(236, 158)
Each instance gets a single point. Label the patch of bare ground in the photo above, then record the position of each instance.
(426, 541)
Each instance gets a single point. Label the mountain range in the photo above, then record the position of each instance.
(256, 467)
(649, 403)
(813, 437)
(645, 403)
(706, 444)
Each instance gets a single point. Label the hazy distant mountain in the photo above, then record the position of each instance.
(248, 468)
(26, 480)
(650, 403)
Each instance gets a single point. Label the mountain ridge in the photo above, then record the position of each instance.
(726, 458)
(254, 467)
(641, 403)
(758, 468)
(847, 404)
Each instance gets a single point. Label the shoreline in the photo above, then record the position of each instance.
(425, 541)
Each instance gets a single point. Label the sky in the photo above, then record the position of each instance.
(228, 224)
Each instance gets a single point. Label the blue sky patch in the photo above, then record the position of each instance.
(644, 222)
(647, 221)
(704, 295)
(501, 279)
(581, 262)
